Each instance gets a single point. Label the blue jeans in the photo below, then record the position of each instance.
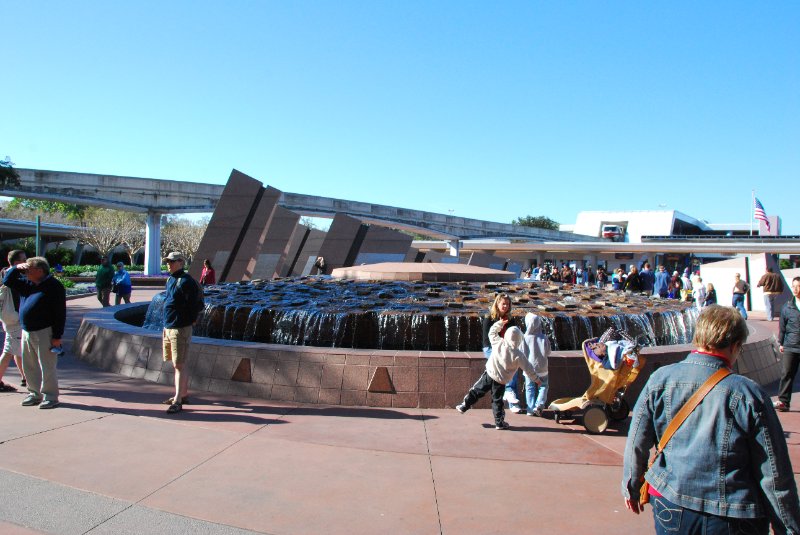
(671, 519)
(536, 395)
(769, 305)
(738, 302)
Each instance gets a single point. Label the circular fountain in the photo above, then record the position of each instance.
(411, 338)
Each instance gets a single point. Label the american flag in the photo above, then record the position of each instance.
(761, 214)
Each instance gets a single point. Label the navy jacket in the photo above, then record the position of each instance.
(179, 301)
(41, 305)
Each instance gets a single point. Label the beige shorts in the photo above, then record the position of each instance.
(176, 344)
(13, 342)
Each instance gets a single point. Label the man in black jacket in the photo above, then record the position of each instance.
(789, 342)
(42, 314)
(182, 304)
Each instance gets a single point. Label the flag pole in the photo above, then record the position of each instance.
(752, 208)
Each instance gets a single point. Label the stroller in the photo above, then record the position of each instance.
(610, 375)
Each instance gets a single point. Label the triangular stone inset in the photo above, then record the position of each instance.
(381, 382)
(243, 372)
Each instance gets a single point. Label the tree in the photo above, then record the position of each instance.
(307, 221)
(133, 233)
(104, 229)
(70, 211)
(537, 222)
(184, 235)
(8, 175)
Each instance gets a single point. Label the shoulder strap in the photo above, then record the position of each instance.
(689, 406)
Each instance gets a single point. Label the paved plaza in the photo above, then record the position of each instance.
(109, 460)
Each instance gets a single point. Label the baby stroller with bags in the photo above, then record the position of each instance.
(614, 363)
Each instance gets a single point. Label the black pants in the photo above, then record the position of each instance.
(789, 362)
(479, 389)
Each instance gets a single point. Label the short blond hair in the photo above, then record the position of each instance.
(719, 327)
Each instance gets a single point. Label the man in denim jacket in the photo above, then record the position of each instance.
(727, 466)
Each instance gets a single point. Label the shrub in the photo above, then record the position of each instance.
(60, 255)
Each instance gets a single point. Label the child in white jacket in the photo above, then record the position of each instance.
(506, 358)
(536, 348)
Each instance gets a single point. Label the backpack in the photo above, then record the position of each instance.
(199, 303)
(8, 312)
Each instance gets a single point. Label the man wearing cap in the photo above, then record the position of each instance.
(42, 314)
(181, 308)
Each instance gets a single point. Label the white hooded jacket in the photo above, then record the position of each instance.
(507, 355)
(536, 346)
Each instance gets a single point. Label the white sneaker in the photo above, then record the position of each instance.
(510, 396)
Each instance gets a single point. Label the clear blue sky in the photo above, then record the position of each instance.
(490, 109)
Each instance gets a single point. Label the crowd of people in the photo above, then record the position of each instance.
(682, 286)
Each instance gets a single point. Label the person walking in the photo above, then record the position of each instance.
(501, 310)
(9, 317)
(699, 293)
(662, 281)
(773, 287)
(727, 469)
(102, 282)
(536, 347)
(740, 288)
(789, 346)
(208, 275)
(633, 282)
(121, 285)
(647, 278)
(183, 302)
(42, 314)
(686, 286)
(711, 295)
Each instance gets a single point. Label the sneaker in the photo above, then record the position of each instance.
(49, 404)
(502, 426)
(461, 408)
(5, 387)
(23, 383)
(171, 401)
(780, 406)
(511, 397)
(537, 412)
(29, 400)
(175, 407)
(516, 409)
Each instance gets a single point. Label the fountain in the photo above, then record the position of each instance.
(413, 340)
(425, 316)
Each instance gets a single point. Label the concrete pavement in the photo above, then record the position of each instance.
(109, 460)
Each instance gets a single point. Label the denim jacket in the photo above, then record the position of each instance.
(729, 458)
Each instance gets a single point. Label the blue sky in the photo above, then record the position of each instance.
(488, 110)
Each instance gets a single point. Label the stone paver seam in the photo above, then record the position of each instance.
(604, 446)
(55, 428)
(433, 477)
(185, 473)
